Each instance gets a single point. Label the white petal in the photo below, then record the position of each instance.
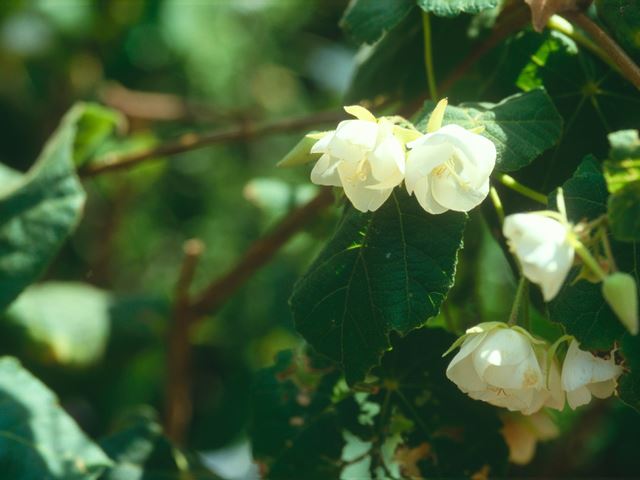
(325, 171)
(457, 371)
(465, 377)
(577, 369)
(322, 145)
(540, 243)
(358, 132)
(576, 398)
(502, 346)
(602, 389)
(387, 160)
(480, 150)
(448, 192)
(425, 198)
(422, 160)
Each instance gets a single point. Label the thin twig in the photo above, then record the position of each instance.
(192, 141)
(178, 407)
(216, 294)
(629, 69)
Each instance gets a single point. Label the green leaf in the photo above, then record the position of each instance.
(580, 306)
(624, 212)
(622, 172)
(521, 126)
(449, 8)
(95, 124)
(592, 99)
(367, 20)
(38, 440)
(39, 212)
(301, 153)
(394, 66)
(64, 323)
(140, 451)
(382, 271)
(296, 430)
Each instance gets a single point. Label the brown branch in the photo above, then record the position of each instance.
(627, 66)
(178, 406)
(192, 141)
(216, 294)
(157, 106)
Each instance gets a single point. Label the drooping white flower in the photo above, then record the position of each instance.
(362, 156)
(449, 169)
(522, 434)
(505, 366)
(542, 246)
(585, 375)
(621, 293)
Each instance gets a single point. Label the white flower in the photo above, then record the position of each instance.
(362, 156)
(542, 247)
(584, 375)
(449, 169)
(502, 366)
(523, 433)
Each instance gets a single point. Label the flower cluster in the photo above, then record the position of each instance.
(508, 367)
(448, 168)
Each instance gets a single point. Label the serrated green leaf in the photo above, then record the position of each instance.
(449, 8)
(382, 271)
(38, 440)
(63, 323)
(521, 126)
(39, 212)
(367, 20)
(580, 306)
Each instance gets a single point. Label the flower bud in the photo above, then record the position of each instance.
(362, 156)
(621, 293)
(505, 366)
(542, 247)
(449, 169)
(584, 375)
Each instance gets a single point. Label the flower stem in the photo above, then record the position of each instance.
(517, 302)
(428, 57)
(584, 253)
(516, 186)
(497, 204)
(559, 24)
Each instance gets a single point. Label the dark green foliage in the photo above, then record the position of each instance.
(383, 271)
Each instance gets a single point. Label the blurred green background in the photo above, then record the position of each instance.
(214, 64)
(178, 66)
